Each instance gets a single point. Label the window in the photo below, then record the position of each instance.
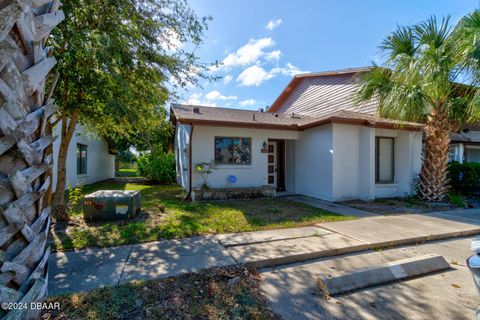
(384, 162)
(233, 150)
(81, 158)
(454, 153)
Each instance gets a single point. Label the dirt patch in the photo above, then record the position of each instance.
(219, 293)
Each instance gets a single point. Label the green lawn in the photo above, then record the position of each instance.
(181, 218)
(126, 172)
(202, 295)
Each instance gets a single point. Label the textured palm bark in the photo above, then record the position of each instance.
(25, 151)
(434, 174)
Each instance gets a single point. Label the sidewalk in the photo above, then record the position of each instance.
(338, 238)
(92, 268)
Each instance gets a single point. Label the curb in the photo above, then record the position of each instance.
(270, 262)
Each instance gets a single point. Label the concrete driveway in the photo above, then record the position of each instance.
(293, 293)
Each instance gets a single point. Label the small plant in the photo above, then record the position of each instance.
(456, 199)
(205, 169)
(75, 195)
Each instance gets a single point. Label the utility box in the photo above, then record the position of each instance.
(111, 205)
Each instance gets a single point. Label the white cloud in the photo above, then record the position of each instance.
(249, 53)
(288, 70)
(256, 75)
(273, 55)
(248, 102)
(209, 99)
(273, 24)
(227, 78)
(253, 76)
(197, 99)
(215, 95)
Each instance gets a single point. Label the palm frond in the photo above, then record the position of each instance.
(400, 42)
(432, 33)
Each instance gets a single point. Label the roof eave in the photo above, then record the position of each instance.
(295, 127)
(222, 123)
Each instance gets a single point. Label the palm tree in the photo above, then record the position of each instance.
(25, 151)
(418, 82)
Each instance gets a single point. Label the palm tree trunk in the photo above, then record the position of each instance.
(434, 174)
(25, 151)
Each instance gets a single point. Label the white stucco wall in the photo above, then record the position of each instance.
(100, 163)
(313, 163)
(346, 161)
(354, 162)
(254, 175)
(181, 147)
(408, 149)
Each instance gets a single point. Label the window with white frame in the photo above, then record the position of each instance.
(384, 159)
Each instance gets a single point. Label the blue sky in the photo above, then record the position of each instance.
(263, 43)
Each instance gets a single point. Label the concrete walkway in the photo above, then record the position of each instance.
(332, 207)
(92, 268)
(337, 238)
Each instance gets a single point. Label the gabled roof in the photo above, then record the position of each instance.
(190, 114)
(299, 77)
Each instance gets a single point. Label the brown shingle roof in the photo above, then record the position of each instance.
(186, 113)
(246, 118)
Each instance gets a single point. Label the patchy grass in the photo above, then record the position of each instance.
(127, 172)
(181, 218)
(406, 205)
(203, 295)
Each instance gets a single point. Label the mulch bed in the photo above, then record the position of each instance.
(218, 293)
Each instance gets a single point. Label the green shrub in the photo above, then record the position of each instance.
(456, 199)
(157, 166)
(464, 177)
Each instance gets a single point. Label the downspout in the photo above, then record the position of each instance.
(190, 167)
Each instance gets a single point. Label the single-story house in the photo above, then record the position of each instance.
(90, 158)
(465, 145)
(312, 141)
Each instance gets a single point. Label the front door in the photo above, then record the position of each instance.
(272, 164)
(276, 164)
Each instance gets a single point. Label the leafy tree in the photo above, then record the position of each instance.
(420, 81)
(120, 61)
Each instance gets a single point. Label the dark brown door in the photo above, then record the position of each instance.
(281, 165)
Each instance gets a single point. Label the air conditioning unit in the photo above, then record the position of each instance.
(111, 205)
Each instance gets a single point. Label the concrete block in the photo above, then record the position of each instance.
(389, 272)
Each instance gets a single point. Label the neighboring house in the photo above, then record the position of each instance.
(313, 141)
(465, 145)
(90, 158)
